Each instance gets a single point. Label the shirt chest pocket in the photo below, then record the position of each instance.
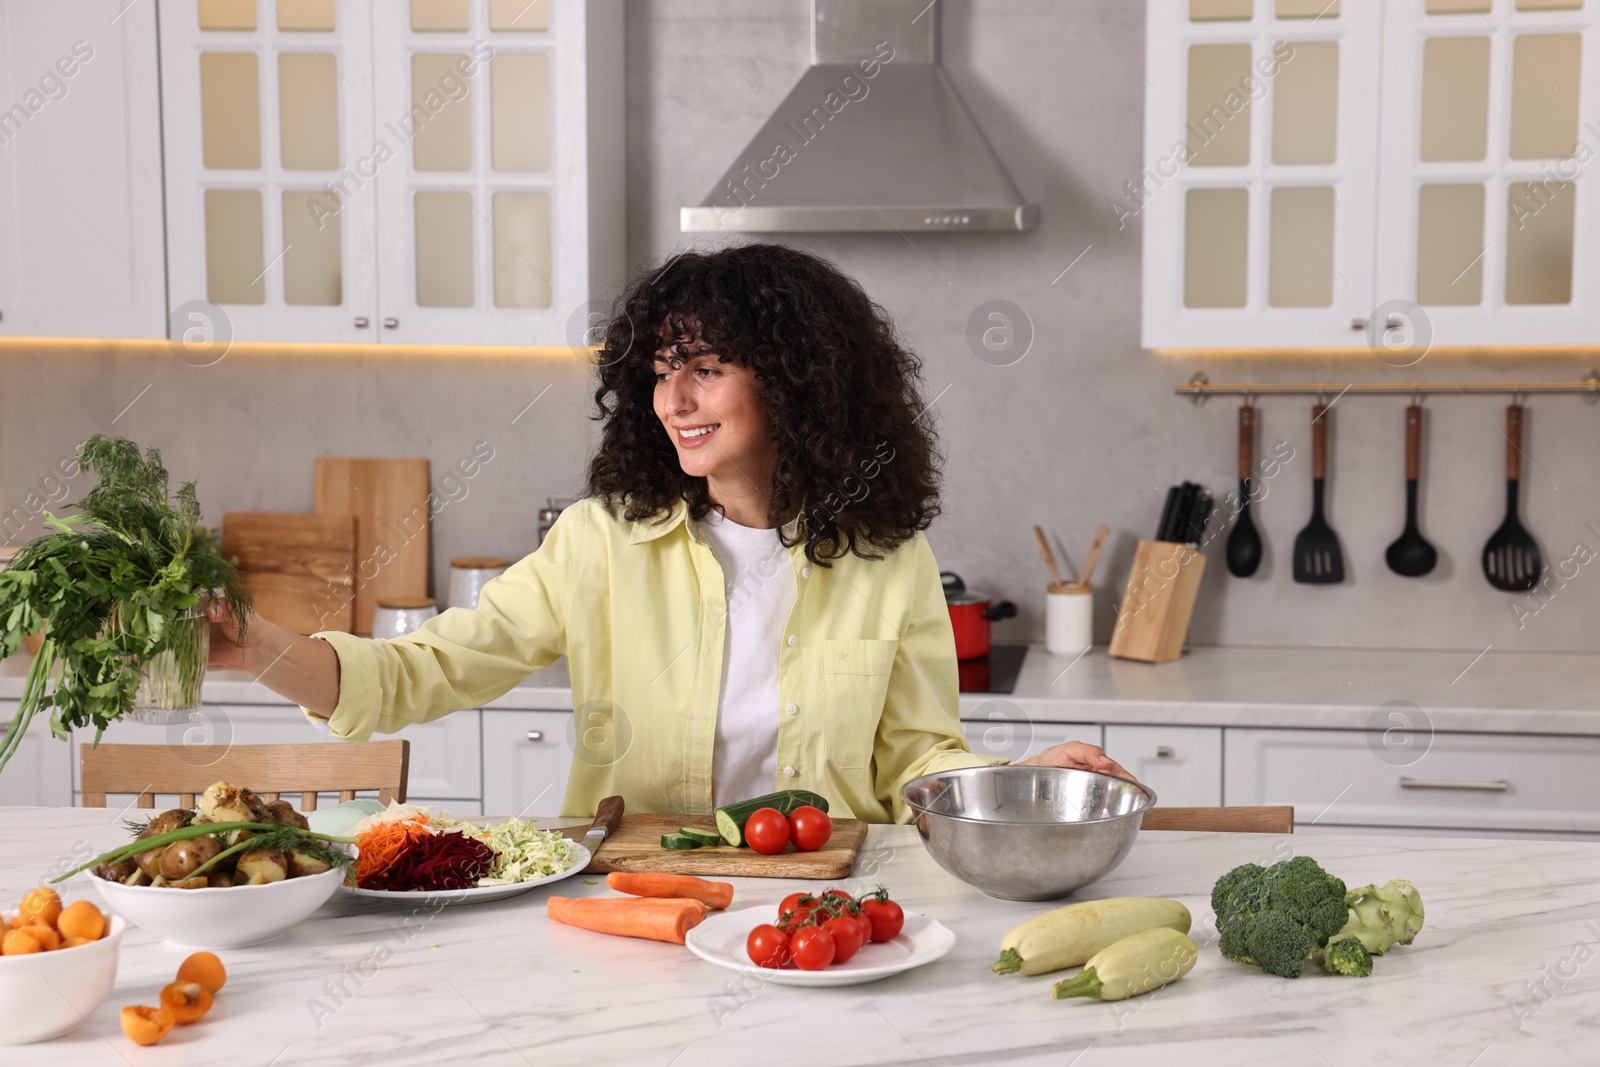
(855, 684)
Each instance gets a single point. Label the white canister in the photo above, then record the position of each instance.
(1069, 619)
(399, 615)
(468, 576)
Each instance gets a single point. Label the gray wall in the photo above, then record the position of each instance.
(1083, 430)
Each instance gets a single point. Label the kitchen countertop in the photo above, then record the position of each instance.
(500, 984)
(1490, 691)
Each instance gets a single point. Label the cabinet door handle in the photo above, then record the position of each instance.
(1499, 785)
(535, 735)
(361, 322)
(1164, 752)
(391, 323)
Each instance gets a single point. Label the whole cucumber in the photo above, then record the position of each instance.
(1068, 936)
(1134, 965)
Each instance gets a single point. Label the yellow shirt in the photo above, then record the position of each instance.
(866, 673)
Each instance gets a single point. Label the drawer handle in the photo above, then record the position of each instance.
(535, 735)
(1164, 752)
(1499, 785)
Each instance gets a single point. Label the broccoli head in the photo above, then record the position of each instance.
(1379, 916)
(1276, 917)
(1347, 956)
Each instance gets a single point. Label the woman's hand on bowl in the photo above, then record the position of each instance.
(1081, 756)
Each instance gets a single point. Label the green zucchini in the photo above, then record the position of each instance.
(678, 842)
(732, 817)
(705, 837)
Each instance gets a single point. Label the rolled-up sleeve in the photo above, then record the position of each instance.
(920, 730)
(464, 657)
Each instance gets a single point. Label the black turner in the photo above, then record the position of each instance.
(1317, 559)
(1511, 560)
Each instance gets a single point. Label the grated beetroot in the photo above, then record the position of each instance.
(434, 863)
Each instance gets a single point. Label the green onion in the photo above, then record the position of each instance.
(272, 836)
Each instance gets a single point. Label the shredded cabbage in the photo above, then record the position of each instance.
(522, 852)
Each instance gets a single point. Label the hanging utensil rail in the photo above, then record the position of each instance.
(1199, 387)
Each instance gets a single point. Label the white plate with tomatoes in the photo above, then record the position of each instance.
(725, 939)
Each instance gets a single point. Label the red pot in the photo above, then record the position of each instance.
(970, 616)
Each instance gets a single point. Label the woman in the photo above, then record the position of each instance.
(745, 597)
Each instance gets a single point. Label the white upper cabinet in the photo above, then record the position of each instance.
(419, 171)
(1297, 188)
(80, 171)
(1260, 155)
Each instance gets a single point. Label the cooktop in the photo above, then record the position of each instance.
(995, 673)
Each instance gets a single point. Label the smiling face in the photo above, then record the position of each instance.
(712, 412)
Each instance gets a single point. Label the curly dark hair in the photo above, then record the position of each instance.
(857, 463)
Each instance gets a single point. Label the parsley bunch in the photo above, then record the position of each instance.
(110, 580)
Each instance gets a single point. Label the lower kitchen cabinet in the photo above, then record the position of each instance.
(40, 771)
(527, 756)
(1486, 783)
(1001, 728)
(1182, 764)
(446, 754)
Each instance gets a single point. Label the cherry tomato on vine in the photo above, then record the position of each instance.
(887, 916)
(809, 828)
(801, 904)
(847, 937)
(812, 948)
(768, 946)
(767, 831)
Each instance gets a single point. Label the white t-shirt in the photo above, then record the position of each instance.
(759, 583)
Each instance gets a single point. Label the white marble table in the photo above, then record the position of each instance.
(500, 984)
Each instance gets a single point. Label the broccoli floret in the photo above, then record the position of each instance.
(1379, 916)
(1347, 956)
(1276, 917)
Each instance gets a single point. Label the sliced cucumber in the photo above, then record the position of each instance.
(732, 817)
(705, 837)
(678, 842)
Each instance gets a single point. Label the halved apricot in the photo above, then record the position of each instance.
(145, 1025)
(74, 942)
(205, 970)
(42, 906)
(187, 1001)
(82, 919)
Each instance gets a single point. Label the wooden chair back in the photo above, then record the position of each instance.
(270, 770)
(1273, 819)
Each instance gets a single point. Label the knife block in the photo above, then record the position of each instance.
(1157, 604)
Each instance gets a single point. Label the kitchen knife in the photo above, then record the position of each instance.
(607, 817)
(1198, 517)
(1166, 513)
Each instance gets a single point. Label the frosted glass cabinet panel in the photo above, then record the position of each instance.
(270, 173)
(1268, 224)
(80, 172)
(411, 171)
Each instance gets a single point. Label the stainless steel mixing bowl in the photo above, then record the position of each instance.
(1027, 833)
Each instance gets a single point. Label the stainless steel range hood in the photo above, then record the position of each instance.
(873, 137)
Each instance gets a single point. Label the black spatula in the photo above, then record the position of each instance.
(1317, 559)
(1244, 543)
(1511, 559)
(1411, 556)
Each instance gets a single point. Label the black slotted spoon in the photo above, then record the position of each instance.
(1317, 558)
(1511, 560)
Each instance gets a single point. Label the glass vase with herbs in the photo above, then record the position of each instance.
(115, 595)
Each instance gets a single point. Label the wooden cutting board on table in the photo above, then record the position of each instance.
(300, 567)
(389, 499)
(636, 846)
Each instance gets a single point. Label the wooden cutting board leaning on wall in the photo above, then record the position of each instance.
(389, 499)
(300, 567)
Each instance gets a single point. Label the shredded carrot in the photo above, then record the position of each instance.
(379, 847)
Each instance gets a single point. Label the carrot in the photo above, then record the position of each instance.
(379, 847)
(649, 884)
(660, 919)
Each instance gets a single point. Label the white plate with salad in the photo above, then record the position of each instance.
(520, 856)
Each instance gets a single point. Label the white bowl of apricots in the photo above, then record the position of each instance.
(58, 962)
